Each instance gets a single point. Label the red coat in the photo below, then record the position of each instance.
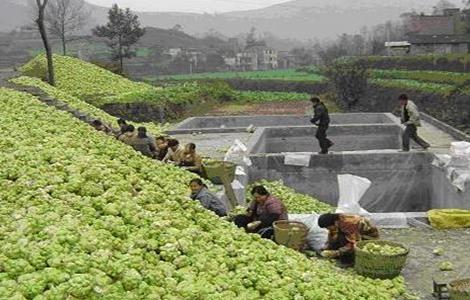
(272, 205)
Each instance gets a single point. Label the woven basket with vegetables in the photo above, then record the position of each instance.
(291, 234)
(380, 259)
(460, 289)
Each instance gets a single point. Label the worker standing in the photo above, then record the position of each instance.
(410, 118)
(322, 120)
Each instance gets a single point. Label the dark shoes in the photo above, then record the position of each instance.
(330, 144)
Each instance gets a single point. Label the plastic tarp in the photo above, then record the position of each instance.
(239, 191)
(297, 159)
(389, 220)
(351, 190)
(236, 153)
(460, 155)
(441, 160)
(449, 218)
(456, 165)
(460, 148)
(316, 237)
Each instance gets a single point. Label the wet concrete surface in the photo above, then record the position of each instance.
(423, 265)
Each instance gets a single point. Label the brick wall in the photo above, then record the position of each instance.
(431, 25)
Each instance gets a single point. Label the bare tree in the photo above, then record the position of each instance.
(64, 17)
(41, 5)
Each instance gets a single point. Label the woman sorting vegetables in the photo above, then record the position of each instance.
(344, 231)
(262, 213)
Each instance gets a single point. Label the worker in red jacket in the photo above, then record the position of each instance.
(262, 213)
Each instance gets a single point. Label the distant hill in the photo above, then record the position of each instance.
(12, 15)
(169, 38)
(301, 19)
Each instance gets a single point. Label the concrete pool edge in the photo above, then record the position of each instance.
(241, 123)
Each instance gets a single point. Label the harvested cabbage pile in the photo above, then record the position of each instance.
(296, 203)
(85, 217)
(387, 250)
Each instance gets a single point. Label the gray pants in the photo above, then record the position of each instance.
(411, 132)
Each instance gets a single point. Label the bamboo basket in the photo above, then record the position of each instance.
(213, 171)
(377, 265)
(291, 234)
(460, 289)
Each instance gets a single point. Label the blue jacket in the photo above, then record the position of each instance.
(210, 201)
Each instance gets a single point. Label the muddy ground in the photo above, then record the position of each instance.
(422, 265)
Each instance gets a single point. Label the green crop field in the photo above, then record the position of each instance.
(451, 78)
(262, 96)
(414, 85)
(287, 75)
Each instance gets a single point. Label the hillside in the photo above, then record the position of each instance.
(301, 19)
(176, 39)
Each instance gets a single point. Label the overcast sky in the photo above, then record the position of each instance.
(209, 6)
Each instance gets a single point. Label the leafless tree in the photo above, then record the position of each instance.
(440, 6)
(64, 17)
(41, 11)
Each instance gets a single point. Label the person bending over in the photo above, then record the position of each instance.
(344, 231)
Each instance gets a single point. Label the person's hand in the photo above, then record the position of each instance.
(253, 225)
(329, 253)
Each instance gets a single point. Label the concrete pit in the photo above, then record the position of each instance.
(345, 137)
(240, 123)
(365, 145)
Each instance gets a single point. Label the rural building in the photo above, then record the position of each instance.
(174, 52)
(428, 34)
(433, 24)
(441, 44)
(256, 57)
(398, 48)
